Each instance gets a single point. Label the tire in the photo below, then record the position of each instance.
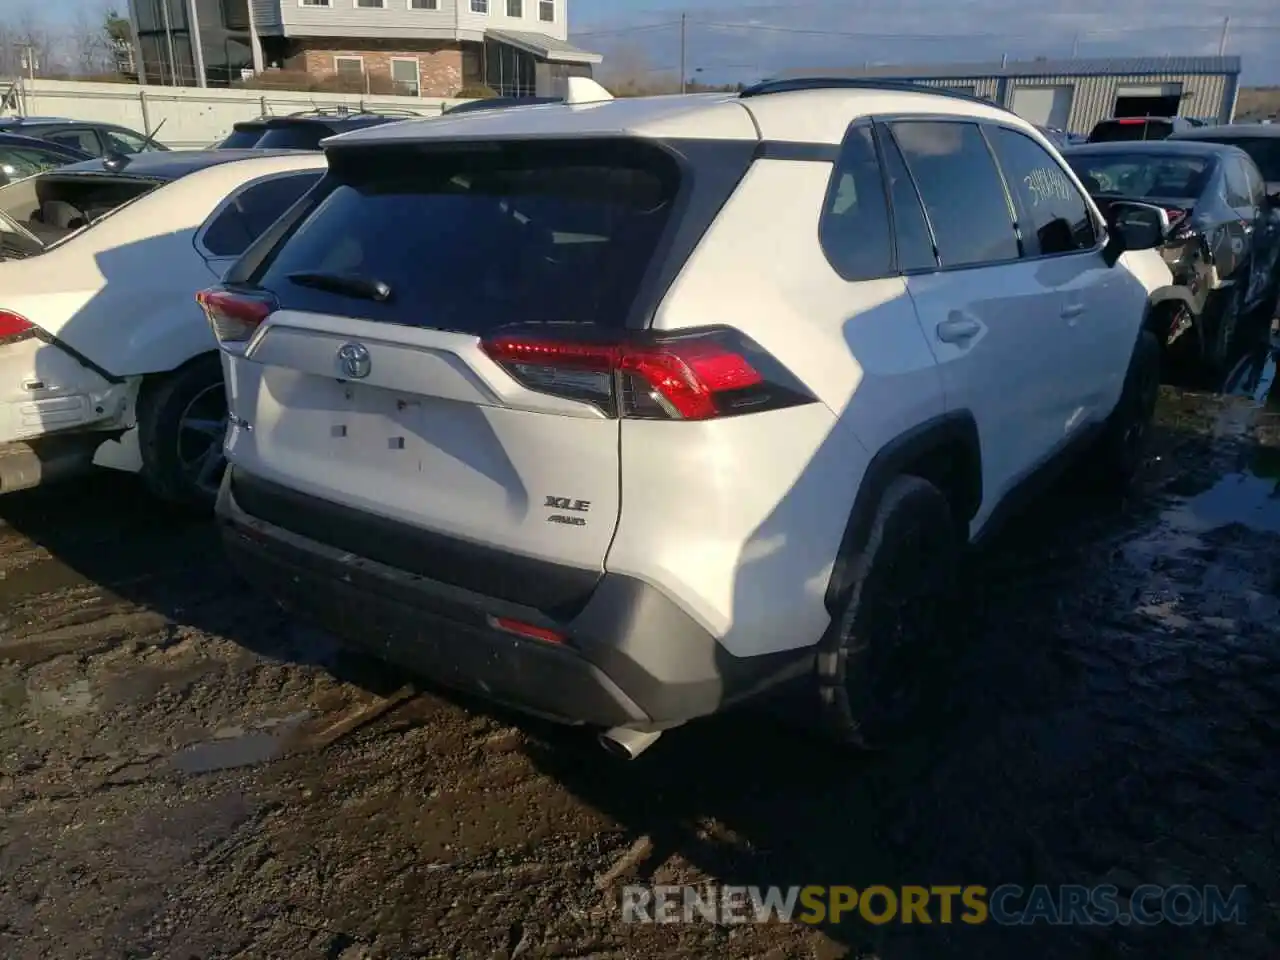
(182, 421)
(879, 665)
(1229, 317)
(1119, 451)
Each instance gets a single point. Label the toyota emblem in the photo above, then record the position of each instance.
(354, 361)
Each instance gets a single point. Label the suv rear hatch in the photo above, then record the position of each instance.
(370, 386)
(1131, 128)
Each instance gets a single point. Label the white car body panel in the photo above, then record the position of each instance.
(739, 519)
(122, 293)
(116, 302)
(435, 413)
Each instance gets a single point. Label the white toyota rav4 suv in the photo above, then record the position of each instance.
(623, 411)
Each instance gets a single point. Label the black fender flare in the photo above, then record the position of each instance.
(956, 428)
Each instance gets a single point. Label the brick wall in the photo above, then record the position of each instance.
(439, 64)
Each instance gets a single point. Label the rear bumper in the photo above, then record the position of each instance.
(631, 656)
(45, 390)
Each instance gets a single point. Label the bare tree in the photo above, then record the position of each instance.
(88, 42)
(628, 72)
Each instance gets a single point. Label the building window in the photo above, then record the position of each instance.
(313, 3)
(547, 11)
(349, 66)
(515, 8)
(370, 4)
(479, 6)
(404, 74)
(424, 4)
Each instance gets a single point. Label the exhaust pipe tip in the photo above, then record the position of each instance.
(627, 744)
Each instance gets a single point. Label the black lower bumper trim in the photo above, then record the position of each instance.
(633, 657)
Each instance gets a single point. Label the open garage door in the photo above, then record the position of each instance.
(1045, 106)
(1149, 100)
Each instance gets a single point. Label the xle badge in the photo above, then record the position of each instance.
(564, 503)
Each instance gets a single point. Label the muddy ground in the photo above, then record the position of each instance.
(184, 773)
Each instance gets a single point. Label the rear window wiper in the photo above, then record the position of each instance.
(351, 285)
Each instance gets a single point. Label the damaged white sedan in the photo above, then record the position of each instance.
(105, 357)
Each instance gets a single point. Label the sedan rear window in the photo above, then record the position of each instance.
(1138, 175)
(471, 240)
(52, 207)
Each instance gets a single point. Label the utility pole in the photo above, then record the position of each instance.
(168, 36)
(682, 18)
(1222, 44)
(1075, 46)
(27, 52)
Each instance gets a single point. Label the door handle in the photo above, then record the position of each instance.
(1071, 311)
(958, 329)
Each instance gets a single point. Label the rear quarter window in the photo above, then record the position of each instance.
(471, 241)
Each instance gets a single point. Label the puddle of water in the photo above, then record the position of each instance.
(1244, 498)
(238, 746)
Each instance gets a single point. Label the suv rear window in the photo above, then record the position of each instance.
(293, 136)
(53, 206)
(471, 240)
(1130, 128)
(242, 138)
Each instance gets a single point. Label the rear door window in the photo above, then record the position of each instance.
(251, 210)
(122, 141)
(79, 138)
(471, 240)
(1264, 151)
(963, 194)
(854, 229)
(1239, 195)
(910, 228)
(1052, 215)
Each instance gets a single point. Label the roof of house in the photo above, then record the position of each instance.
(1085, 67)
(544, 47)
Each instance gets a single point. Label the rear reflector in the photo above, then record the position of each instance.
(698, 375)
(527, 630)
(1131, 121)
(233, 315)
(14, 327)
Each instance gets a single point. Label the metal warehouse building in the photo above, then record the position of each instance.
(1075, 94)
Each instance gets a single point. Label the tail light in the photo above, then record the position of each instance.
(14, 327)
(1179, 223)
(696, 375)
(234, 315)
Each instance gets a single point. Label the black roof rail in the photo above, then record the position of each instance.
(345, 111)
(793, 84)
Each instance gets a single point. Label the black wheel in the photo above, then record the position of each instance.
(1119, 452)
(1229, 317)
(880, 666)
(182, 420)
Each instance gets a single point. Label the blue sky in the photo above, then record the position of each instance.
(828, 33)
